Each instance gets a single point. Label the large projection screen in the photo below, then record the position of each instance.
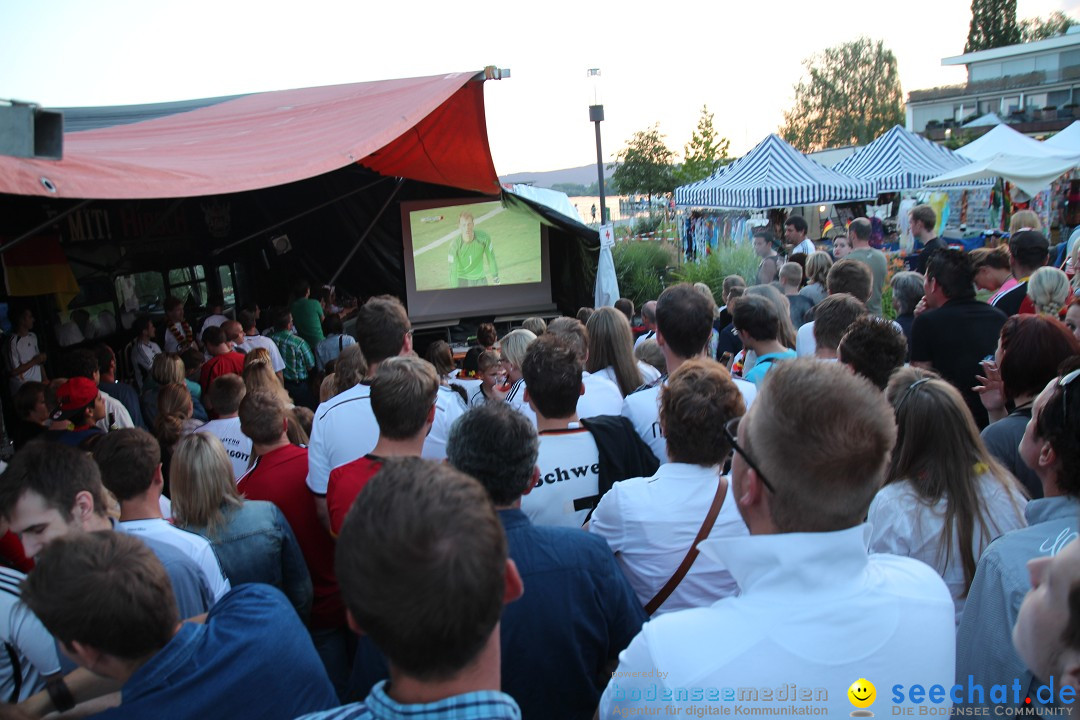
(469, 257)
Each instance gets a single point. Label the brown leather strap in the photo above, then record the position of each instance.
(691, 555)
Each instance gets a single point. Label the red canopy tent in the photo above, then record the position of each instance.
(430, 129)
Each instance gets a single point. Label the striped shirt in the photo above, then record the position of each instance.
(28, 649)
(481, 705)
(296, 353)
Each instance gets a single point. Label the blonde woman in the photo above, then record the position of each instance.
(259, 375)
(167, 368)
(1049, 289)
(1024, 220)
(817, 270)
(611, 351)
(252, 538)
(173, 420)
(945, 496)
(511, 354)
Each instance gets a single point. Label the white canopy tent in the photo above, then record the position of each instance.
(1003, 140)
(1068, 139)
(1031, 174)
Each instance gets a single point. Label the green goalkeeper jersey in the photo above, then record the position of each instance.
(467, 259)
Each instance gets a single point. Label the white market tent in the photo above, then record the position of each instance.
(1068, 139)
(988, 120)
(1003, 140)
(773, 175)
(901, 160)
(1030, 174)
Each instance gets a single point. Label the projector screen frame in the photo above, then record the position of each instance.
(432, 306)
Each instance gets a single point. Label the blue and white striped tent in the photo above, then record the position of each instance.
(773, 175)
(901, 160)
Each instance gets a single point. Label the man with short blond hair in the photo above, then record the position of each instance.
(813, 604)
(845, 276)
(860, 233)
(224, 396)
(791, 275)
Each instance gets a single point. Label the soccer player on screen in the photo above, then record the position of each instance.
(467, 254)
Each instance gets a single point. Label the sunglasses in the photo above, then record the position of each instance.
(731, 430)
(1064, 383)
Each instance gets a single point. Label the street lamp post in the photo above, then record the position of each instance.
(596, 116)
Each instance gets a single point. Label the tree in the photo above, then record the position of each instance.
(851, 95)
(993, 24)
(705, 153)
(1057, 23)
(644, 165)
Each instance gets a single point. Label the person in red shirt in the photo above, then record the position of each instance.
(223, 359)
(279, 475)
(403, 402)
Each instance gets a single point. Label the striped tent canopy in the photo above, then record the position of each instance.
(901, 160)
(773, 175)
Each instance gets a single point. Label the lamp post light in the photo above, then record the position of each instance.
(596, 116)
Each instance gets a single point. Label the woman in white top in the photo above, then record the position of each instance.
(650, 523)
(945, 497)
(611, 351)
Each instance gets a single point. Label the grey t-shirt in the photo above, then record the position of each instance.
(875, 260)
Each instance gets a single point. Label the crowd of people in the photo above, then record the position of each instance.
(758, 501)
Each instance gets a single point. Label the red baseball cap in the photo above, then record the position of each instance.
(74, 396)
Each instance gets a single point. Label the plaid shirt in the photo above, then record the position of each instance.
(482, 705)
(296, 353)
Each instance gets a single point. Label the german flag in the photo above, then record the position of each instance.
(828, 226)
(38, 266)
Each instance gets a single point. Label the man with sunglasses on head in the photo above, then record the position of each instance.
(1051, 448)
(814, 609)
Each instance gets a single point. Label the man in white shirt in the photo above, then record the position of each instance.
(27, 363)
(344, 427)
(795, 230)
(569, 462)
(683, 323)
(648, 319)
(225, 395)
(650, 522)
(245, 336)
(600, 396)
(816, 614)
(214, 314)
(130, 463)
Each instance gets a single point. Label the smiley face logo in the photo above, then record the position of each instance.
(862, 694)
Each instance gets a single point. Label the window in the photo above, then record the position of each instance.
(141, 292)
(228, 288)
(188, 282)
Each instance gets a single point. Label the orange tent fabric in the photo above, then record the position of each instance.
(431, 129)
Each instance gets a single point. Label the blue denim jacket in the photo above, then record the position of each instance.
(256, 545)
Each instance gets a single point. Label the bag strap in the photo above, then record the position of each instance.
(691, 555)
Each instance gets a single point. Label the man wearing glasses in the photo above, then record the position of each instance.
(1051, 448)
(815, 612)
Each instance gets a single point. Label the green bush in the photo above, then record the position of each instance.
(641, 268)
(721, 262)
(647, 224)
